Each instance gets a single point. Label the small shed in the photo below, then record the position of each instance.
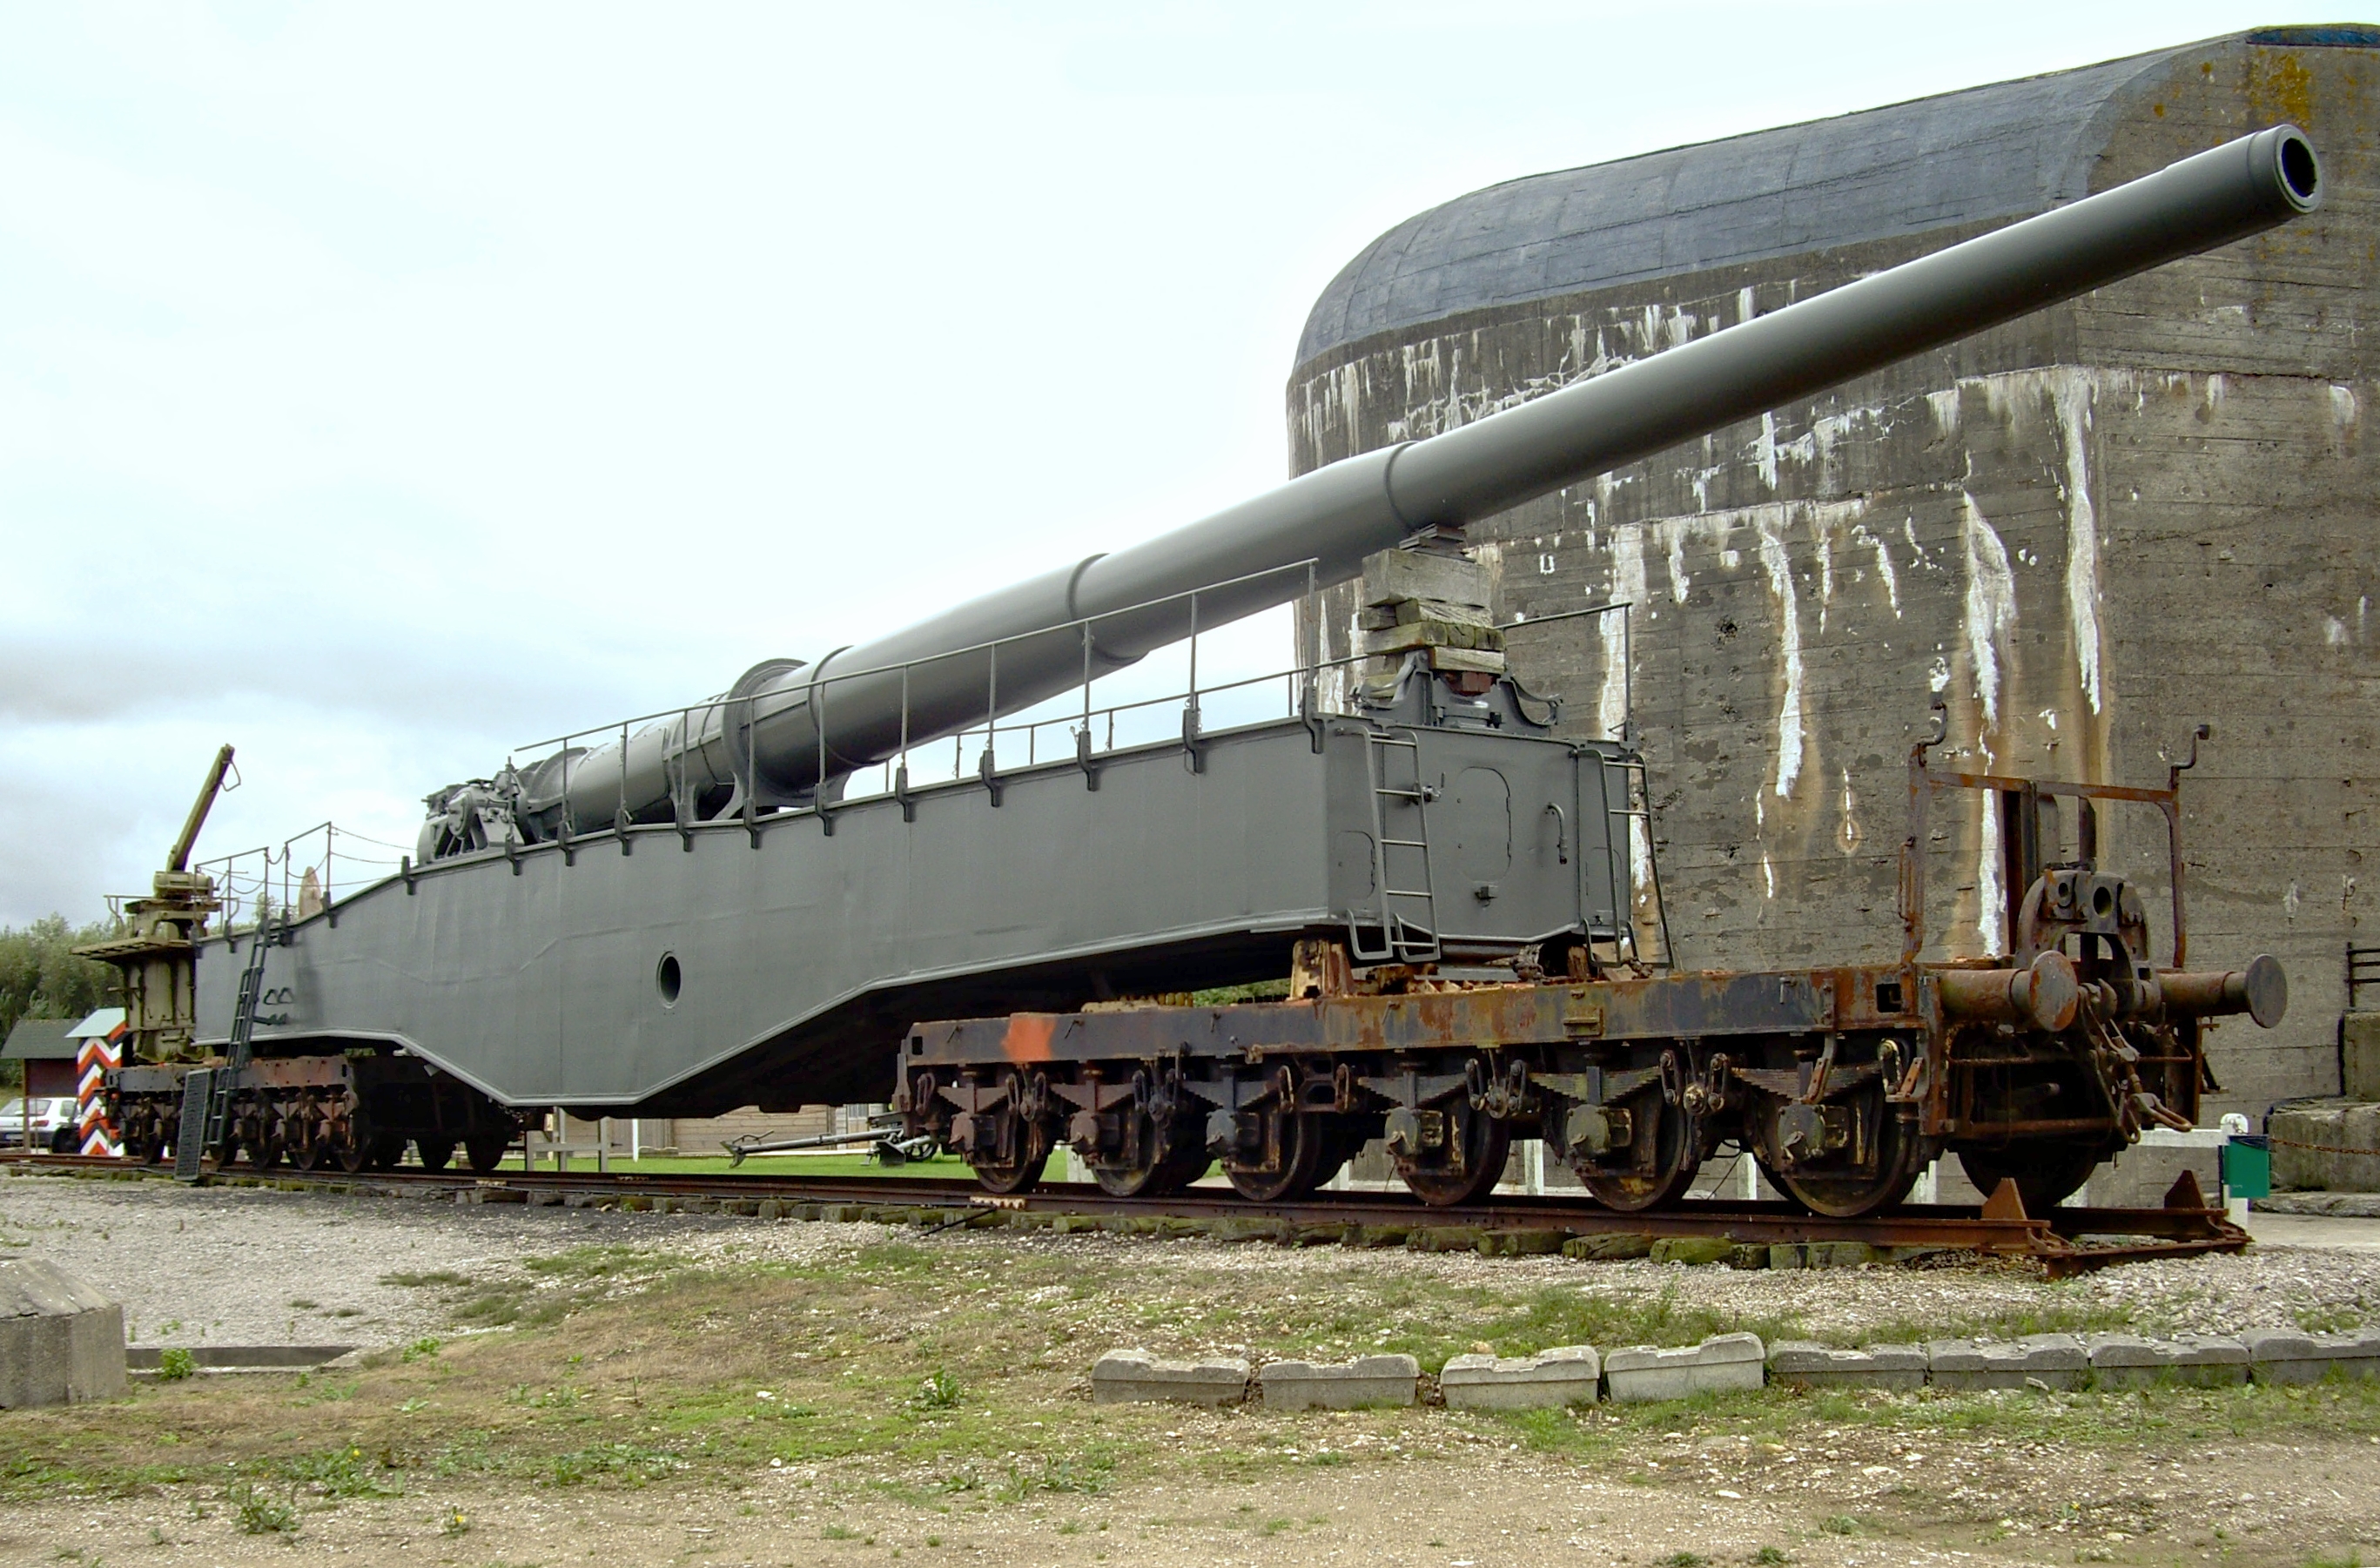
(47, 1047)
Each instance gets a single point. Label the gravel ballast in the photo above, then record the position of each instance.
(233, 1266)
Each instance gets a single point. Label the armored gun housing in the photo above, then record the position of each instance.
(703, 911)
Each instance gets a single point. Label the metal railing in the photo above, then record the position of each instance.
(245, 879)
(893, 775)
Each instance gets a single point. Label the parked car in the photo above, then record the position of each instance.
(53, 1122)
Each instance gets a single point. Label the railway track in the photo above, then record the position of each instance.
(2064, 1241)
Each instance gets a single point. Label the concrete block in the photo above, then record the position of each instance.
(2360, 1050)
(2287, 1356)
(1821, 1255)
(61, 1340)
(1343, 1385)
(2128, 1361)
(1730, 1362)
(2329, 1205)
(1802, 1364)
(2058, 1361)
(2308, 1138)
(1393, 575)
(1570, 1374)
(1135, 1377)
(1608, 1247)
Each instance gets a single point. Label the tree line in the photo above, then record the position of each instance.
(41, 977)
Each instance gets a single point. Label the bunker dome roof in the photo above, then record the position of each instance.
(1995, 152)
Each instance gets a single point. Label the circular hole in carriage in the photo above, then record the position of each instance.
(668, 979)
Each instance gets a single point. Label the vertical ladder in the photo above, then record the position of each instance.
(206, 1093)
(1408, 913)
(1619, 849)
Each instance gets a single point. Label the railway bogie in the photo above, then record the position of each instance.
(353, 1112)
(1843, 1083)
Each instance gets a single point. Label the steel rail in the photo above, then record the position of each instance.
(2183, 1229)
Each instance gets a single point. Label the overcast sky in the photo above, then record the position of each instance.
(383, 387)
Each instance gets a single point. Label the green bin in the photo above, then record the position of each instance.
(2248, 1166)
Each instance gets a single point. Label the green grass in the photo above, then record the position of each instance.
(953, 1382)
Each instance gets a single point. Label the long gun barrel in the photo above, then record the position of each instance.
(943, 676)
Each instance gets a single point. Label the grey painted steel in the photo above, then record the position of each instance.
(1336, 516)
(802, 961)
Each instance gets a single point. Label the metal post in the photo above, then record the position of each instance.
(991, 714)
(1628, 678)
(1312, 640)
(603, 1144)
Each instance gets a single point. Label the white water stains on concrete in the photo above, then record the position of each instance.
(1792, 728)
(1884, 572)
(1455, 380)
(1847, 832)
(1817, 448)
(2070, 394)
(1628, 586)
(1944, 406)
(1989, 613)
(2345, 421)
(1764, 453)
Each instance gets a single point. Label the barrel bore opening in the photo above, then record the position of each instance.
(668, 979)
(2299, 170)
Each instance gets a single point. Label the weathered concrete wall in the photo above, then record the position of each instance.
(2090, 530)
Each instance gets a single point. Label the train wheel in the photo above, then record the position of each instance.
(485, 1152)
(436, 1153)
(1012, 1175)
(351, 1154)
(1844, 1193)
(264, 1152)
(2045, 1174)
(1305, 1140)
(1656, 1168)
(1184, 1162)
(1486, 1140)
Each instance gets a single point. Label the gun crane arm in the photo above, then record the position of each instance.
(179, 859)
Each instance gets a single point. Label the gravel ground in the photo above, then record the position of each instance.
(232, 1265)
(245, 1265)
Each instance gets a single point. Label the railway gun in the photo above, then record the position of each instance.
(714, 907)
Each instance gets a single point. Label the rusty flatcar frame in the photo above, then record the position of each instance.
(1749, 1057)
